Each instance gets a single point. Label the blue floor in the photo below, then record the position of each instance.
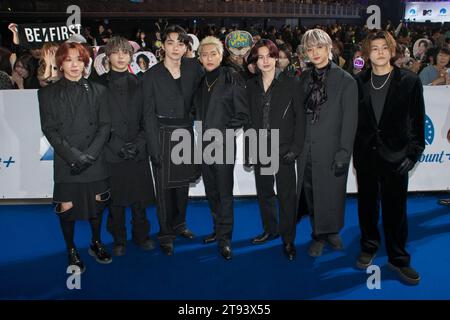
(33, 260)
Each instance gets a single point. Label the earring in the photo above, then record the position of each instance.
(61, 69)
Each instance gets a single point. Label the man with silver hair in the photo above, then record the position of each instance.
(331, 107)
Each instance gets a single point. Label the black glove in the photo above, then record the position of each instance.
(234, 123)
(83, 162)
(289, 157)
(128, 151)
(405, 166)
(156, 161)
(340, 168)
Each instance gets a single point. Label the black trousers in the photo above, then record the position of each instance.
(285, 181)
(171, 204)
(140, 224)
(218, 180)
(382, 184)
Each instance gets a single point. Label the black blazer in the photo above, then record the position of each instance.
(126, 120)
(400, 131)
(163, 98)
(286, 111)
(228, 101)
(87, 129)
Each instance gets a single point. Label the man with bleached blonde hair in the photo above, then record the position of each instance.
(220, 103)
(211, 41)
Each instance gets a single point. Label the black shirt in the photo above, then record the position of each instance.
(267, 98)
(378, 97)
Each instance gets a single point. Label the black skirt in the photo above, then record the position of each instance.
(131, 182)
(82, 196)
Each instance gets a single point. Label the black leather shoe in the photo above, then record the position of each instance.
(210, 239)
(167, 248)
(74, 260)
(365, 260)
(289, 251)
(263, 237)
(335, 242)
(119, 250)
(225, 251)
(186, 233)
(407, 274)
(147, 245)
(98, 251)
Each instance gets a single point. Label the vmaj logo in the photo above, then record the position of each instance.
(429, 130)
(45, 150)
(412, 12)
(443, 12)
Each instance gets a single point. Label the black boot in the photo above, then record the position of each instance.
(98, 251)
(210, 238)
(74, 260)
(289, 251)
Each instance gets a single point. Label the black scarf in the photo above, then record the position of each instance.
(317, 94)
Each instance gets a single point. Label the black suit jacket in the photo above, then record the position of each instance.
(87, 129)
(228, 101)
(400, 131)
(126, 120)
(286, 111)
(163, 98)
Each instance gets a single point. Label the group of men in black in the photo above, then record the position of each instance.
(105, 132)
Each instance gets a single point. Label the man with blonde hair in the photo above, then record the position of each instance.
(220, 104)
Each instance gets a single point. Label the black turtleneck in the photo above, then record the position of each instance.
(213, 75)
(211, 79)
(114, 75)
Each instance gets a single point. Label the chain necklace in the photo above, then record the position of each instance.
(379, 88)
(210, 85)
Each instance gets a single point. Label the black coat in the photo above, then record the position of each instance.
(330, 140)
(400, 131)
(126, 119)
(286, 111)
(163, 99)
(228, 101)
(86, 129)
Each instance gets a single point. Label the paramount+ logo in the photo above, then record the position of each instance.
(438, 157)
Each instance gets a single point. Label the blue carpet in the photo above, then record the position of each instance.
(33, 260)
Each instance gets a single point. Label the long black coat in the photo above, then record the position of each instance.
(286, 111)
(86, 129)
(330, 140)
(400, 131)
(126, 120)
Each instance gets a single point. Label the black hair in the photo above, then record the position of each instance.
(182, 34)
(143, 56)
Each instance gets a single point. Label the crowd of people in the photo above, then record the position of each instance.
(422, 49)
(327, 90)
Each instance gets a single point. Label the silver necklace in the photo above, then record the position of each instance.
(379, 88)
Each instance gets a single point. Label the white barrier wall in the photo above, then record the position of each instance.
(25, 172)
